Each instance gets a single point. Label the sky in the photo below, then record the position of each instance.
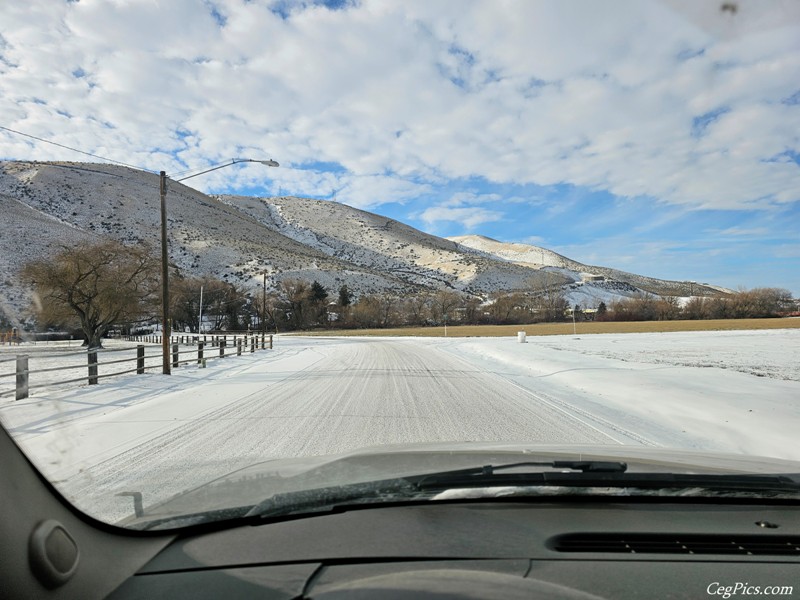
(660, 138)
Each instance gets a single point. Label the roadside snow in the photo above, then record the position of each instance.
(735, 391)
(729, 391)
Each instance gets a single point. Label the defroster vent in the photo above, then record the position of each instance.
(668, 543)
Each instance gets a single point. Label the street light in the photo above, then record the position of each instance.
(165, 327)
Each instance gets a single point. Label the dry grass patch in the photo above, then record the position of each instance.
(585, 328)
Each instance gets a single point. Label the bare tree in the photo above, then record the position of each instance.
(297, 298)
(502, 308)
(444, 304)
(367, 311)
(416, 309)
(185, 301)
(550, 301)
(95, 286)
(472, 311)
(266, 307)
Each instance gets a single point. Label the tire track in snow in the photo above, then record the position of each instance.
(583, 416)
(360, 394)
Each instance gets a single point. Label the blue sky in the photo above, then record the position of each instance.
(661, 137)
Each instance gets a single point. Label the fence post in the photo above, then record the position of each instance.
(92, 358)
(270, 342)
(238, 347)
(140, 359)
(252, 344)
(175, 355)
(22, 377)
(222, 348)
(200, 352)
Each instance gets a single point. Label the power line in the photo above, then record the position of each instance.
(75, 149)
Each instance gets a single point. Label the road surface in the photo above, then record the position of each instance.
(345, 396)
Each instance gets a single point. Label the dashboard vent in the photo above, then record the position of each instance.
(743, 545)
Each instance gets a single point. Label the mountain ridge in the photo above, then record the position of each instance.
(242, 239)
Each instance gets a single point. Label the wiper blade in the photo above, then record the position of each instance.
(584, 466)
(573, 474)
(403, 488)
(325, 498)
(595, 479)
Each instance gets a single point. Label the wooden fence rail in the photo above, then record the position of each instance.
(22, 371)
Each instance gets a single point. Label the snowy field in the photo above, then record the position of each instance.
(736, 391)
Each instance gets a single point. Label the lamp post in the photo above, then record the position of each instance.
(165, 324)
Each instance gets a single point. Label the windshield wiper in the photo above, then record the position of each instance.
(584, 466)
(570, 474)
(603, 474)
(406, 488)
(321, 499)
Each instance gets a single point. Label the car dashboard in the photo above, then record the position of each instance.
(497, 549)
(545, 547)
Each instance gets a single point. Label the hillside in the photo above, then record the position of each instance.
(586, 281)
(386, 246)
(240, 239)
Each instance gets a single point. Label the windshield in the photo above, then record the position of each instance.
(253, 249)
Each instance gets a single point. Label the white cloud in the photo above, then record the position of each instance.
(406, 95)
(469, 218)
(745, 232)
(471, 199)
(372, 190)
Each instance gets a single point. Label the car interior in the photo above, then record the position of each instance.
(559, 547)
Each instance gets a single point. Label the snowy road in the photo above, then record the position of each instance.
(354, 395)
(317, 396)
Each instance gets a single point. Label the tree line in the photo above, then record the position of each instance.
(756, 303)
(94, 288)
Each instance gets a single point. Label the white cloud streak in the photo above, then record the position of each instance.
(469, 218)
(406, 95)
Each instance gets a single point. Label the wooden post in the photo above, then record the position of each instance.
(175, 355)
(140, 359)
(200, 352)
(22, 377)
(270, 342)
(222, 348)
(238, 347)
(252, 344)
(92, 358)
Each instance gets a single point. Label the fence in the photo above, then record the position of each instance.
(197, 353)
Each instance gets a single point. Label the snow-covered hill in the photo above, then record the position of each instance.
(386, 246)
(589, 284)
(240, 239)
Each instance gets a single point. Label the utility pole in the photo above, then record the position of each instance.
(165, 324)
(200, 317)
(574, 327)
(165, 329)
(264, 305)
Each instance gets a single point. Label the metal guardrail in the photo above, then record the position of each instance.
(199, 345)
